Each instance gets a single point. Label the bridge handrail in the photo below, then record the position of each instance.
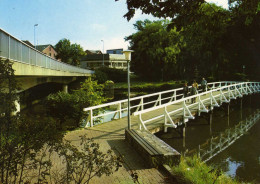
(173, 96)
(226, 93)
(14, 49)
(144, 96)
(187, 98)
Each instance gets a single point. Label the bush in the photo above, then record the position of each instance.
(116, 75)
(100, 76)
(68, 108)
(193, 170)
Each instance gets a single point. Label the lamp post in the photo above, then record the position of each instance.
(34, 35)
(128, 59)
(103, 51)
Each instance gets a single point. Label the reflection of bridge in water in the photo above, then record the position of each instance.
(216, 145)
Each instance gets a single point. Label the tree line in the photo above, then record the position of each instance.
(200, 40)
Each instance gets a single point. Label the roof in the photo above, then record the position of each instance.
(42, 47)
(28, 43)
(93, 51)
(93, 57)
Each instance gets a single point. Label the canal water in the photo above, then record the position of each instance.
(240, 160)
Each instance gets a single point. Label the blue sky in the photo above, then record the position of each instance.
(85, 22)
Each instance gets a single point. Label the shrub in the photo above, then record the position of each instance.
(116, 75)
(68, 108)
(193, 170)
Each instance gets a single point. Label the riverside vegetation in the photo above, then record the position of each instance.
(28, 145)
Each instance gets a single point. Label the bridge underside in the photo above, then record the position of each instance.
(31, 81)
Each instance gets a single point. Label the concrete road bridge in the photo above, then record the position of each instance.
(33, 67)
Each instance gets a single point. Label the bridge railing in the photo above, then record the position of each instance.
(214, 97)
(118, 109)
(18, 51)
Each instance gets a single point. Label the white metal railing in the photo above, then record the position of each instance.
(215, 145)
(18, 51)
(216, 97)
(141, 103)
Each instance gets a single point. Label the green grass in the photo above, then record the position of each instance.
(141, 85)
(193, 170)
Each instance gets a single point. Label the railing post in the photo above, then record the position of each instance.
(120, 110)
(175, 96)
(91, 118)
(160, 99)
(142, 103)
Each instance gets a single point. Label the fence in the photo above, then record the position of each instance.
(16, 50)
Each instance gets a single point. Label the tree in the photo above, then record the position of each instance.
(156, 50)
(162, 9)
(21, 140)
(69, 53)
(27, 143)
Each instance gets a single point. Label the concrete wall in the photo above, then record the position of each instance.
(23, 69)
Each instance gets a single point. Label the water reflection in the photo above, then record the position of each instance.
(215, 145)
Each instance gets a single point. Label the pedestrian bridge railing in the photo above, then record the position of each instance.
(118, 109)
(13, 49)
(211, 98)
(217, 144)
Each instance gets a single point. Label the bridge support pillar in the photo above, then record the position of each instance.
(210, 117)
(228, 109)
(210, 121)
(65, 88)
(241, 103)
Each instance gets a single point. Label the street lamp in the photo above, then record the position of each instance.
(34, 35)
(128, 59)
(103, 51)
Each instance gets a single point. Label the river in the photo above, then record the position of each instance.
(240, 160)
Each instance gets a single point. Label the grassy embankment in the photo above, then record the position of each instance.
(192, 170)
(143, 87)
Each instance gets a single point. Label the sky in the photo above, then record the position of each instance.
(85, 22)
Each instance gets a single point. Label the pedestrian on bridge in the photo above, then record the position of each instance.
(196, 85)
(193, 91)
(203, 84)
(185, 90)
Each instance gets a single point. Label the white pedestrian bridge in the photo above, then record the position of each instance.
(33, 67)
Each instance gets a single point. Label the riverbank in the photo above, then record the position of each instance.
(149, 86)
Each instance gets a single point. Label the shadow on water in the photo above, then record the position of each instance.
(236, 145)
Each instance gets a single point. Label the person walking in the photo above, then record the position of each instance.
(196, 85)
(203, 84)
(185, 90)
(193, 91)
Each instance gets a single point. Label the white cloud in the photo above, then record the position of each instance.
(223, 3)
(109, 43)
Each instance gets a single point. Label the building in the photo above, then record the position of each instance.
(115, 51)
(93, 61)
(48, 50)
